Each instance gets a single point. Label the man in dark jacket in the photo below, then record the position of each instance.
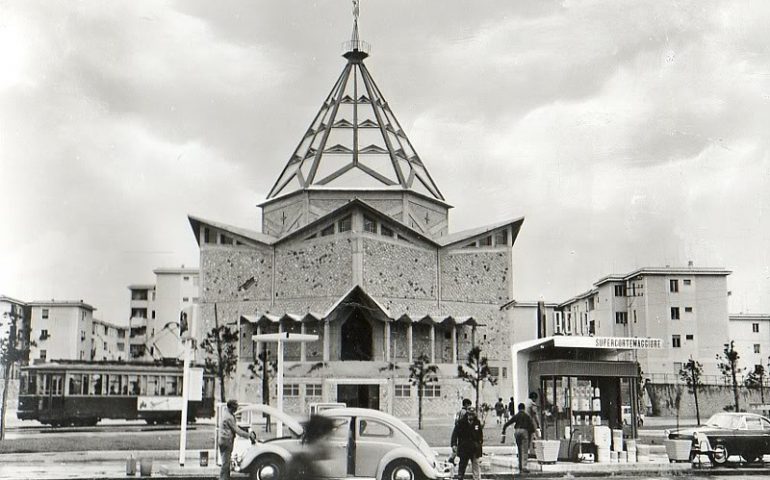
(228, 429)
(467, 441)
(523, 428)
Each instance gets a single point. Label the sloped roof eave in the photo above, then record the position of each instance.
(458, 237)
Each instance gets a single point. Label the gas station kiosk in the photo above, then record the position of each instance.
(582, 383)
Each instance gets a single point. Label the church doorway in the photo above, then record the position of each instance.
(361, 396)
(356, 338)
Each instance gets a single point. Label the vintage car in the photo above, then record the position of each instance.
(364, 443)
(726, 434)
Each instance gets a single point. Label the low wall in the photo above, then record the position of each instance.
(711, 399)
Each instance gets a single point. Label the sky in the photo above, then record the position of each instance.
(627, 133)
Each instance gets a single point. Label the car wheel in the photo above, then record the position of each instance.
(267, 467)
(402, 470)
(719, 454)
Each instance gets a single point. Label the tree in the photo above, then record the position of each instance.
(13, 349)
(220, 345)
(476, 371)
(691, 373)
(421, 374)
(728, 365)
(265, 369)
(756, 379)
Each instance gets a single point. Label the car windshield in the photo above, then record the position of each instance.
(723, 420)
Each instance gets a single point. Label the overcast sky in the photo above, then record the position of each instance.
(628, 133)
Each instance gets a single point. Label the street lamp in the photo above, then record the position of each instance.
(281, 338)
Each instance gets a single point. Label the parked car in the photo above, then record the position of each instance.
(364, 443)
(726, 434)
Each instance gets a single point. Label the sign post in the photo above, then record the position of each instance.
(281, 338)
(186, 320)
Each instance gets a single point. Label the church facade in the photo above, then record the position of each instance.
(355, 247)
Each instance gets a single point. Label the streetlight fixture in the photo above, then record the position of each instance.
(281, 338)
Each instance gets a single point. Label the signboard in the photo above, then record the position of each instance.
(144, 404)
(196, 384)
(614, 343)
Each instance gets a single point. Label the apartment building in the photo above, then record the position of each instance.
(685, 307)
(154, 313)
(108, 341)
(751, 333)
(60, 330)
(14, 319)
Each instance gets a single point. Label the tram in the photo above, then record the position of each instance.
(74, 393)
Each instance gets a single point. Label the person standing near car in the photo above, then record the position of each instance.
(467, 442)
(228, 429)
(303, 465)
(523, 428)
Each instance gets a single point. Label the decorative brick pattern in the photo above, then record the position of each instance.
(476, 275)
(396, 270)
(314, 269)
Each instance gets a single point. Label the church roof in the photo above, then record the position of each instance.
(355, 141)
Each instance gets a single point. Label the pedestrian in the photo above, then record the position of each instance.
(511, 408)
(467, 442)
(303, 465)
(228, 429)
(460, 415)
(500, 410)
(533, 411)
(523, 428)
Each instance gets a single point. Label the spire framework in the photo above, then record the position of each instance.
(355, 140)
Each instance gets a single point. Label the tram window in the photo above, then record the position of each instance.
(43, 384)
(96, 384)
(161, 385)
(114, 384)
(23, 382)
(172, 386)
(75, 385)
(143, 385)
(133, 382)
(124, 384)
(152, 385)
(56, 384)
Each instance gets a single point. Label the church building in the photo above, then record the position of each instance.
(355, 247)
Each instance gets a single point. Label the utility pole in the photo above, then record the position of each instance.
(10, 354)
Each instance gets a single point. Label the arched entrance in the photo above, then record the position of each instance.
(356, 338)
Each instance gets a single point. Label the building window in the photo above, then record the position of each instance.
(82, 335)
(206, 235)
(370, 225)
(621, 318)
(43, 354)
(313, 390)
(676, 341)
(345, 224)
(328, 231)
(44, 334)
(756, 348)
(186, 278)
(403, 391)
(686, 282)
(674, 313)
(505, 372)
(121, 346)
(105, 345)
(687, 309)
(291, 390)
(485, 241)
(755, 327)
(673, 285)
(620, 290)
(386, 231)
(689, 337)
(185, 299)
(153, 314)
(431, 391)
(501, 238)
(44, 313)
(678, 367)
(121, 333)
(494, 372)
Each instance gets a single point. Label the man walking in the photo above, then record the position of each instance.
(523, 428)
(228, 429)
(499, 410)
(467, 441)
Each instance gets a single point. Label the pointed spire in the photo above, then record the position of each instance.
(355, 140)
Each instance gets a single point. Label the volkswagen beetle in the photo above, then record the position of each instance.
(363, 444)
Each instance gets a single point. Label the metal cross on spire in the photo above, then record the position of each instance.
(356, 12)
